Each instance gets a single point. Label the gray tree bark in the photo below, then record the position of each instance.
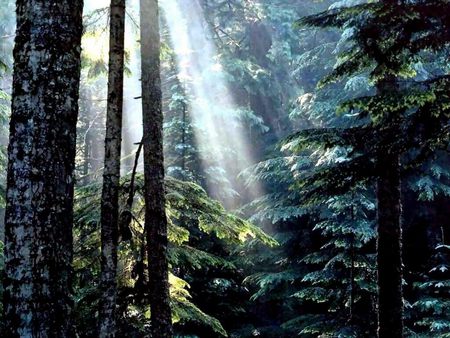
(111, 174)
(155, 215)
(41, 153)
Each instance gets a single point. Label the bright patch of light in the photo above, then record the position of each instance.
(217, 67)
(219, 132)
(95, 47)
(92, 5)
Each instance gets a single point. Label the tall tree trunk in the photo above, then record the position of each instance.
(389, 246)
(155, 215)
(390, 293)
(41, 153)
(352, 265)
(111, 174)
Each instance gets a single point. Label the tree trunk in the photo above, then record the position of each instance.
(111, 173)
(352, 265)
(155, 215)
(390, 293)
(389, 246)
(41, 153)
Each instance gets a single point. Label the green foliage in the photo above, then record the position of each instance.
(380, 44)
(386, 42)
(343, 272)
(185, 311)
(328, 167)
(186, 159)
(191, 201)
(336, 272)
(432, 307)
(192, 216)
(7, 24)
(433, 180)
(318, 82)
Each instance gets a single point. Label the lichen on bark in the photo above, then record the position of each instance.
(41, 155)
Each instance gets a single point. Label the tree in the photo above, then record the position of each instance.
(343, 276)
(381, 117)
(111, 176)
(155, 213)
(39, 216)
(433, 305)
(402, 123)
(389, 218)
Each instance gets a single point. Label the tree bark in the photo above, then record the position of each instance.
(352, 266)
(111, 173)
(389, 246)
(126, 216)
(390, 291)
(155, 215)
(41, 154)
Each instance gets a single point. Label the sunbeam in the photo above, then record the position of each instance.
(218, 129)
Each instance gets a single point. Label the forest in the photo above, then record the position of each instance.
(224, 168)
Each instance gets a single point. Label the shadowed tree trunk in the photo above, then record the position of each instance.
(155, 215)
(352, 267)
(389, 259)
(389, 246)
(389, 214)
(39, 215)
(111, 173)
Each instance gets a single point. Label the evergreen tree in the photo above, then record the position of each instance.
(343, 271)
(93, 96)
(203, 238)
(366, 103)
(385, 43)
(434, 303)
(182, 155)
(111, 174)
(155, 215)
(38, 245)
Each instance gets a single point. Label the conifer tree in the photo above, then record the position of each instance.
(434, 303)
(39, 216)
(111, 175)
(386, 41)
(343, 270)
(389, 214)
(155, 214)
